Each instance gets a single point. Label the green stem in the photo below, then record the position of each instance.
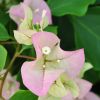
(26, 57)
(8, 42)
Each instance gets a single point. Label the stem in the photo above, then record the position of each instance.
(8, 42)
(26, 57)
(8, 68)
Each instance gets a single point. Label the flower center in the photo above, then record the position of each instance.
(44, 66)
(46, 50)
(58, 60)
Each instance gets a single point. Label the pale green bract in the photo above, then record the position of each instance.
(27, 22)
(58, 89)
(62, 86)
(26, 29)
(86, 67)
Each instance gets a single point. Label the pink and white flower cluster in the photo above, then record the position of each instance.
(55, 74)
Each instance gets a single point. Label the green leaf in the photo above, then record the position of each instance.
(3, 56)
(87, 35)
(97, 1)
(3, 33)
(25, 47)
(92, 76)
(66, 33)
(4, 17)
(28, 50)
(73, 7)
(51, 29)
(23, 95)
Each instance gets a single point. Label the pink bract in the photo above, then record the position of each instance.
(17, 12)
(10, 86)
(40, 74)
(89, 96)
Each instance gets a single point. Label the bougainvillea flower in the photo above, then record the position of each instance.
(26, 29)
(47, 45)
(10, 86)
(51, 61)
(66, 89)
(37, 6)
(64, 85)
(84, 85)
(26, 23)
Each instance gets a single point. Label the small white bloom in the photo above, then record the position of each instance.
(58, 60)
(46, 50)
(44, 66)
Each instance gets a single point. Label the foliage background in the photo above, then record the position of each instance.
(77, 23)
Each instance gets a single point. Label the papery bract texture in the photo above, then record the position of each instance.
(24, 36)
(65, 88)
(51, 62)
(71, 61)
(25, 30)
(10, 86)
(78, 88)
(37, 6)
(91, 96)
(38, 80)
